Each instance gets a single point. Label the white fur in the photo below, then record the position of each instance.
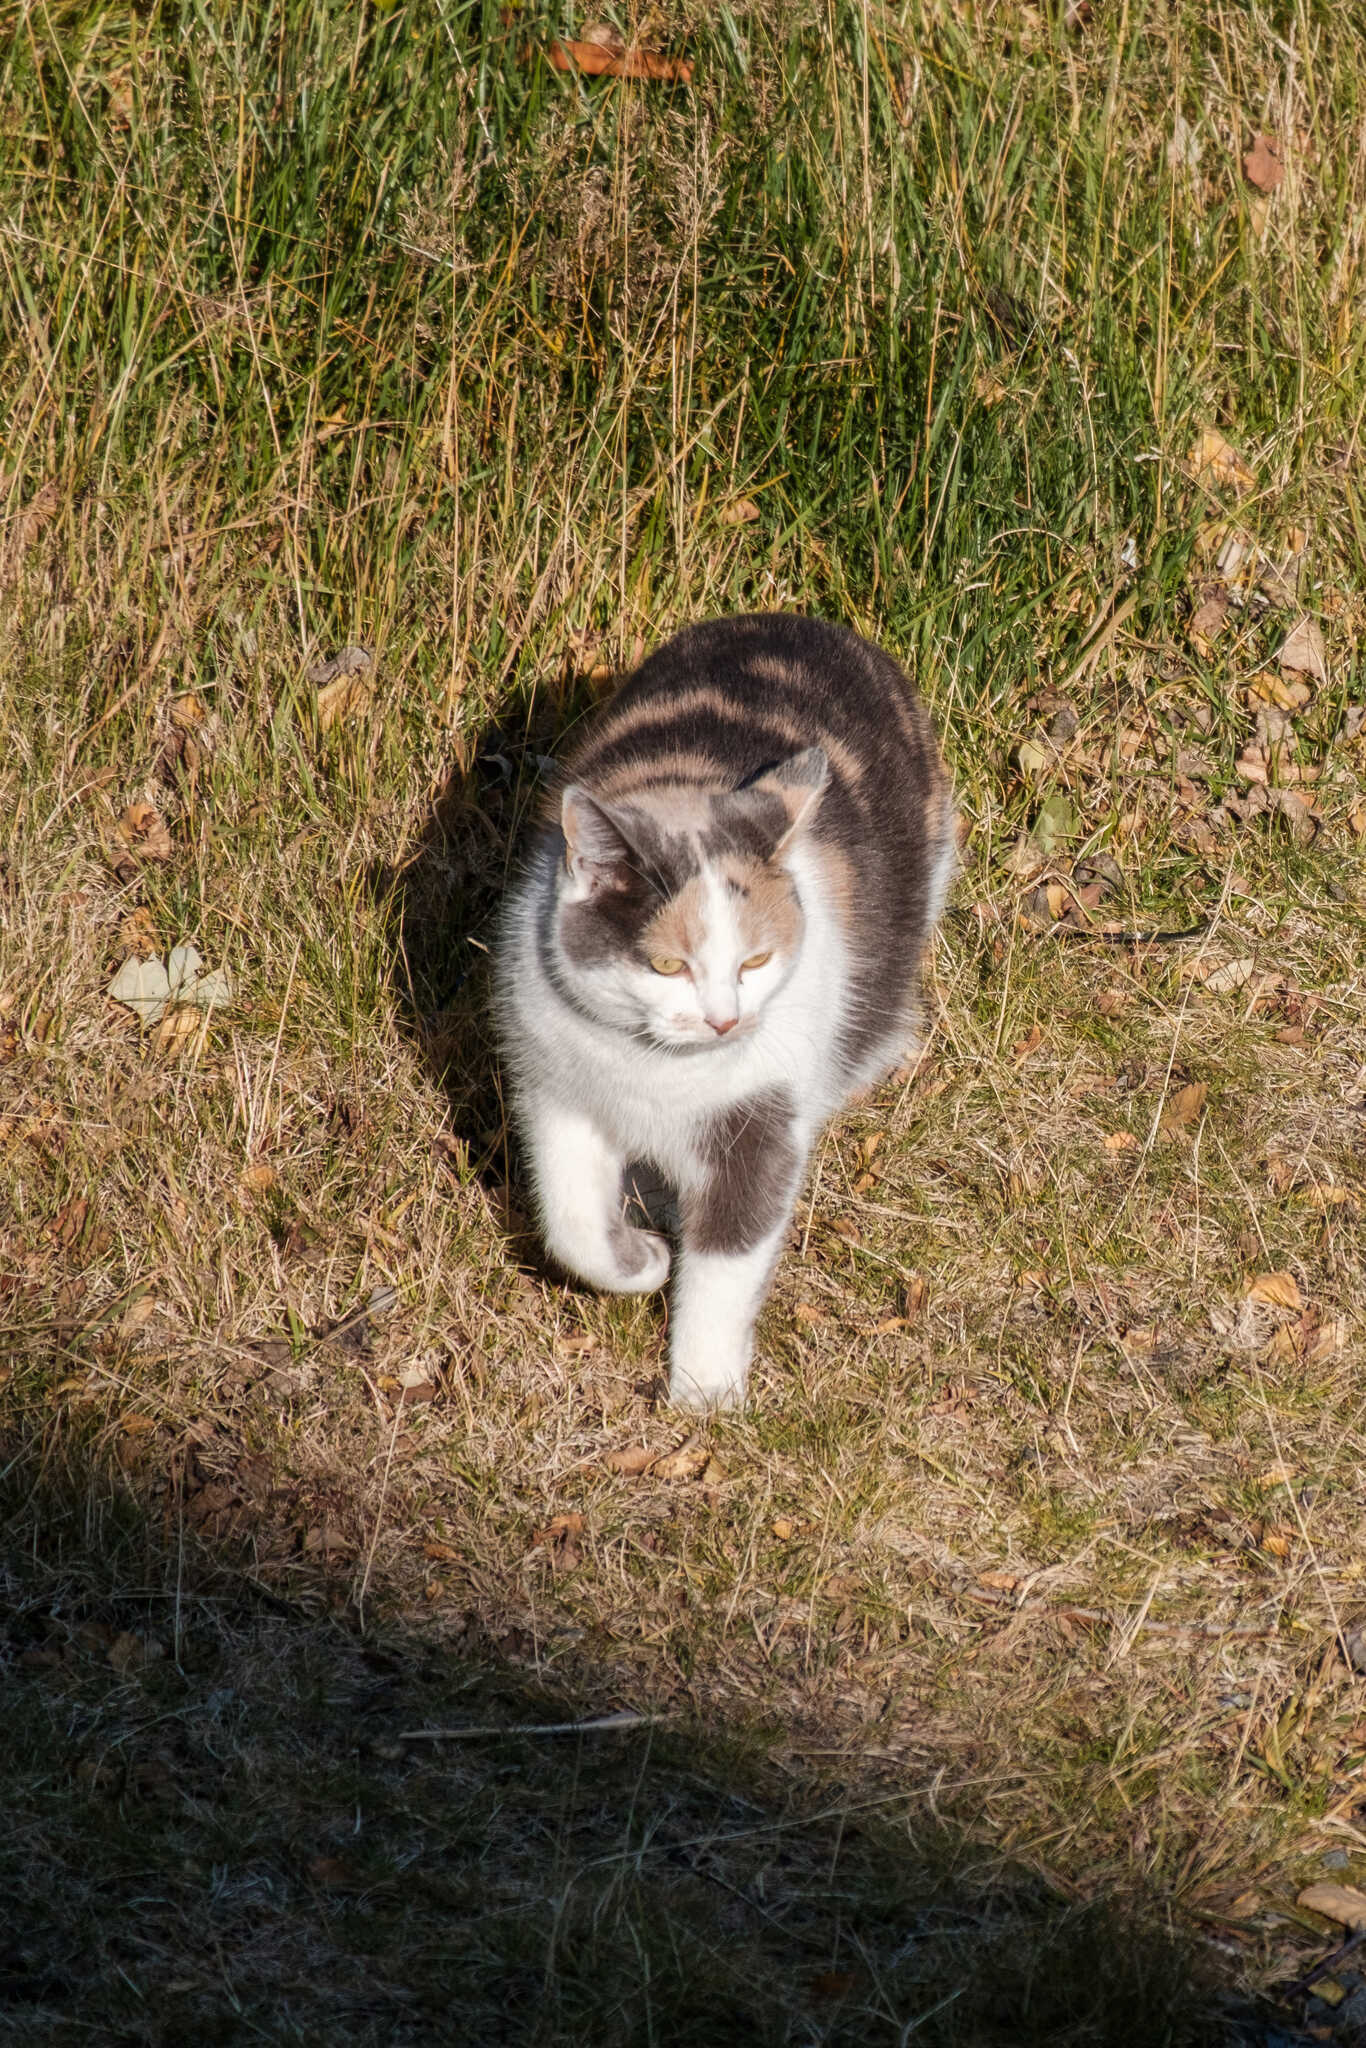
(596, 1092)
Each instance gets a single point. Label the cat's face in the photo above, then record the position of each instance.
(676, 916)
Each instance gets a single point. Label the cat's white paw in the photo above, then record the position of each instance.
(708, 1383)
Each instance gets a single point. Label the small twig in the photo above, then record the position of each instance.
(1330, 1962)
(603, 1724)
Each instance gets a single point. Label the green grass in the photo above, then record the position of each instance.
(997, 1654)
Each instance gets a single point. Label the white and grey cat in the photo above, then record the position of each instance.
(718, 942)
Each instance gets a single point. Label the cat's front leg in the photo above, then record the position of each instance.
(577, 1175)
(735, 1218)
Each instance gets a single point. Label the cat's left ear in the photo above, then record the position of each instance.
(798, 783)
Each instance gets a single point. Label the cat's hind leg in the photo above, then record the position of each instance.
(577, 1175)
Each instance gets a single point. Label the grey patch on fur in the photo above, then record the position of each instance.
(752, 1164)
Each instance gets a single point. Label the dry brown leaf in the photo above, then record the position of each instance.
(784, 1528)
(442, 1553)
(1340, 1902)
(687, 1462)
(579, 1345)
(617, 62)
(1276, 1541)
(999, 1582)
(1023, 1047)
(559, 1531)
(1303, 651)
(1275, 1475)
(1277, 1290)
(632, 1461)
(349, 696)
(739, 512)
(134, 1318)
(1326, 1340)
(1214, 460)
(259, 1177)
(177, 1029)
(1120, 1141)
(142, 829)
(1185, 1105)
(1263, 165)
(1356, 818)
(1207, 620)
(807, 1312)
(1282, 1350)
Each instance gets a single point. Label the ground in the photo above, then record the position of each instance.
(999, 1676)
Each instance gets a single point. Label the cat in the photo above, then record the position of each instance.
(717, 943)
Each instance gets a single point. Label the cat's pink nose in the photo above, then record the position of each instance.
(721, 1025)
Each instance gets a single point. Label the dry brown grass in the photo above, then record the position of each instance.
(1026, 1592)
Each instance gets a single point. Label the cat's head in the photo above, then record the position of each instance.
(675, 916)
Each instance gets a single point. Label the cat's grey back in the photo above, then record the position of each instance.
(727, 699)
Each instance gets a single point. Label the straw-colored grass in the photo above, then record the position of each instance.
(999, 1668)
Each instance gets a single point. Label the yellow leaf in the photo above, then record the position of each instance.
(1277, 1290)
(783, 1527)
(1213, 460)
(348, 697)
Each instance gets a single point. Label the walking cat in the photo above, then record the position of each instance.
(718, 942)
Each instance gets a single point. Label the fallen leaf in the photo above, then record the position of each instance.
(914, 1296)
(350, 696)
(869, 1146)
(1282, 1349)
(1185, 1105)
(1220, 981)
(259, 1177)
(134, 1318)
(618, 63)
(330, 1872)
(1023, 1047)
(142, 829)
(142, 985)
(442, 1553)
(559, 1529)
(632, 1461)
(1033, 759)
(1276, 1542)
(1327, 1339)
(1207, 620)
(579, 1345)
(784, 1528)
(1303, 651)
(1340, 1902)
(687, 1462)
(1215, 460)
(807, 1312)
(738, 512)
(137, 933)
(177, 1029)
(1112, 1002)
(1263, 164)
(999, 1582)
(1275, 1475)
(1120, 1141)
(1055, 824)
(1277, 1290)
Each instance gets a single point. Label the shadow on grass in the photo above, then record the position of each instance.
(223, 1825)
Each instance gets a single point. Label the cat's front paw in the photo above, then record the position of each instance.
(708, 1383)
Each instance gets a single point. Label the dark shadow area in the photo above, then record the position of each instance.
(226, 1821)
(442, 902)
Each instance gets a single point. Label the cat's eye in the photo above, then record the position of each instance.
(755, 960)
(664, 963)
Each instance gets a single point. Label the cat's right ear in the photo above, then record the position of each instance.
(596, 851)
